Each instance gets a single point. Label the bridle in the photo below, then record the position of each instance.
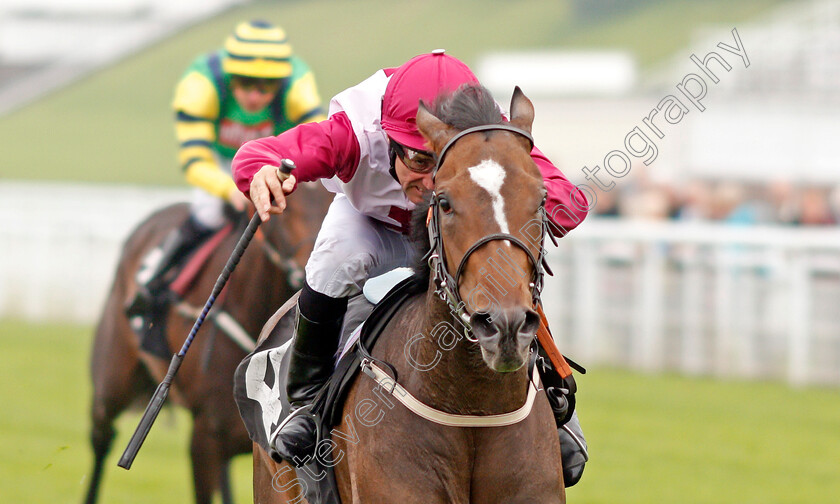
(446, 284)
(446, 287)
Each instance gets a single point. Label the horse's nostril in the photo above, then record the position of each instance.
(531, 323)
(482, 322)
(513, 323)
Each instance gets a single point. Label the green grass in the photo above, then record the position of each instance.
(44, 424)
(670, 439)
(653, 439)
(115, 126)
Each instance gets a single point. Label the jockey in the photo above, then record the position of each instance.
(253, 87)
(370, 153)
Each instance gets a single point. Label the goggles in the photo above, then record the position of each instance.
(415, 160)
(264, 86)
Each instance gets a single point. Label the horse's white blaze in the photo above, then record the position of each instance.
(490, 176)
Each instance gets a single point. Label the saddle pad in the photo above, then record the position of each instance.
(260, 393)
(378, 287)
(189, 273)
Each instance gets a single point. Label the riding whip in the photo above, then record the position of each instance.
(159, 397)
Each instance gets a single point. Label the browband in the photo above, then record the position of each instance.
(484, 127)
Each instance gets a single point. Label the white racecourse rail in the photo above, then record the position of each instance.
(59, 244)
(694, 298)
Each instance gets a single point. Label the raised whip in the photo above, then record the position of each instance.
(159, 397)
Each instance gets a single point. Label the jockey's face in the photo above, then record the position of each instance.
(413, 183)
(254, 94)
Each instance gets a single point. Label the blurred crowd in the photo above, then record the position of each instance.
(777, 202)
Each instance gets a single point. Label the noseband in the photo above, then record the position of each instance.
(446, 284)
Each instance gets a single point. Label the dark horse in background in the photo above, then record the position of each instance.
(125, 375)
(488, 197)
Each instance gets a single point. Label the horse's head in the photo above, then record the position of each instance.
(487, 220)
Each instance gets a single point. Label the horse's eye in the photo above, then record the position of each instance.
(444, 205)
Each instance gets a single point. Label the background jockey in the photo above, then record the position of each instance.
(253, 87)
(370, 153)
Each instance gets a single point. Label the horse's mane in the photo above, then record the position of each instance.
(469, 105)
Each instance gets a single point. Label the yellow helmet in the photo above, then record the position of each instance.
(258, 49)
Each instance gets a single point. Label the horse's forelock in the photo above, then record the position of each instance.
(469, 105)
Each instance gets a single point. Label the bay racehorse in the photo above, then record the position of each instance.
(461, 345)
(124, 375)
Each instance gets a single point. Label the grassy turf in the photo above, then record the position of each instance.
(44, 426)
(116, 125)
(653, 439)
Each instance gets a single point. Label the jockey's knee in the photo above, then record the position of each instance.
(208, 210)
(338, 273)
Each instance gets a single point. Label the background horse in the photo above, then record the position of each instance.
(488, 196)
(123, 374)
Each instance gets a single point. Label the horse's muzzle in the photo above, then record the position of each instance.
(505, 336)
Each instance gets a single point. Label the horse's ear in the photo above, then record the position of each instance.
(521, 110)
(433, 129)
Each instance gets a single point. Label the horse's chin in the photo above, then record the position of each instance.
(503, 363)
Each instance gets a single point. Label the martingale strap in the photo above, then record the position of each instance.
(449, 419)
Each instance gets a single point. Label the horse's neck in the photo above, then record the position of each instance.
(455, 378)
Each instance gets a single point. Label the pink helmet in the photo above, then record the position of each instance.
(421, 78)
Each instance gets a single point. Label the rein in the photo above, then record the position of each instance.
(283, 260)
(446, 284)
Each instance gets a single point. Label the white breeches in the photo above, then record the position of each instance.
(351, 248)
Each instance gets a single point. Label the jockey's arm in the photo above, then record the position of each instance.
(565, 205)
(319, 150)
(196, 106)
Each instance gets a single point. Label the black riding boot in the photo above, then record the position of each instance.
(310, 366)
(561, 398)
(158, 261)
(573, 450)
